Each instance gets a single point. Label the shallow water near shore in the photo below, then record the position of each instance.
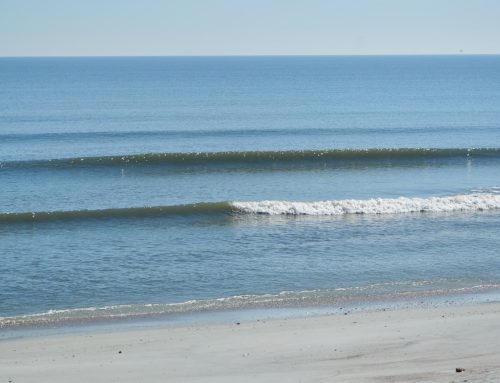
(197, 314)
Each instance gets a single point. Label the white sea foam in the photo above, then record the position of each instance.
(338, 297)
(468, 202)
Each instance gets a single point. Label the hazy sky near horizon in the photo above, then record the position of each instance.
(248, 27)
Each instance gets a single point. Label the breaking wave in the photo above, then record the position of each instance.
(401, 205)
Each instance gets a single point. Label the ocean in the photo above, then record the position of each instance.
(140, 187)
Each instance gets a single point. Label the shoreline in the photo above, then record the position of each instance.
(403, 345)
(286, 304)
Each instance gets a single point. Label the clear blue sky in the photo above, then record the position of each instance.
(247, 27)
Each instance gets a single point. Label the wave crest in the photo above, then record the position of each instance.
(250, 158)
(470, 202)
(401, 205)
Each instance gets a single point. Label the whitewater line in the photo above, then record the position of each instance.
(469, 202)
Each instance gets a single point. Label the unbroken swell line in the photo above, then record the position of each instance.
(250, 158)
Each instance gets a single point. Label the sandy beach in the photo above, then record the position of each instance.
(414, 345)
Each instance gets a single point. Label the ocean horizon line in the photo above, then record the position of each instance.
(457, 54)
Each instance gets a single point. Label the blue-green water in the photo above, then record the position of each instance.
(132, 185)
